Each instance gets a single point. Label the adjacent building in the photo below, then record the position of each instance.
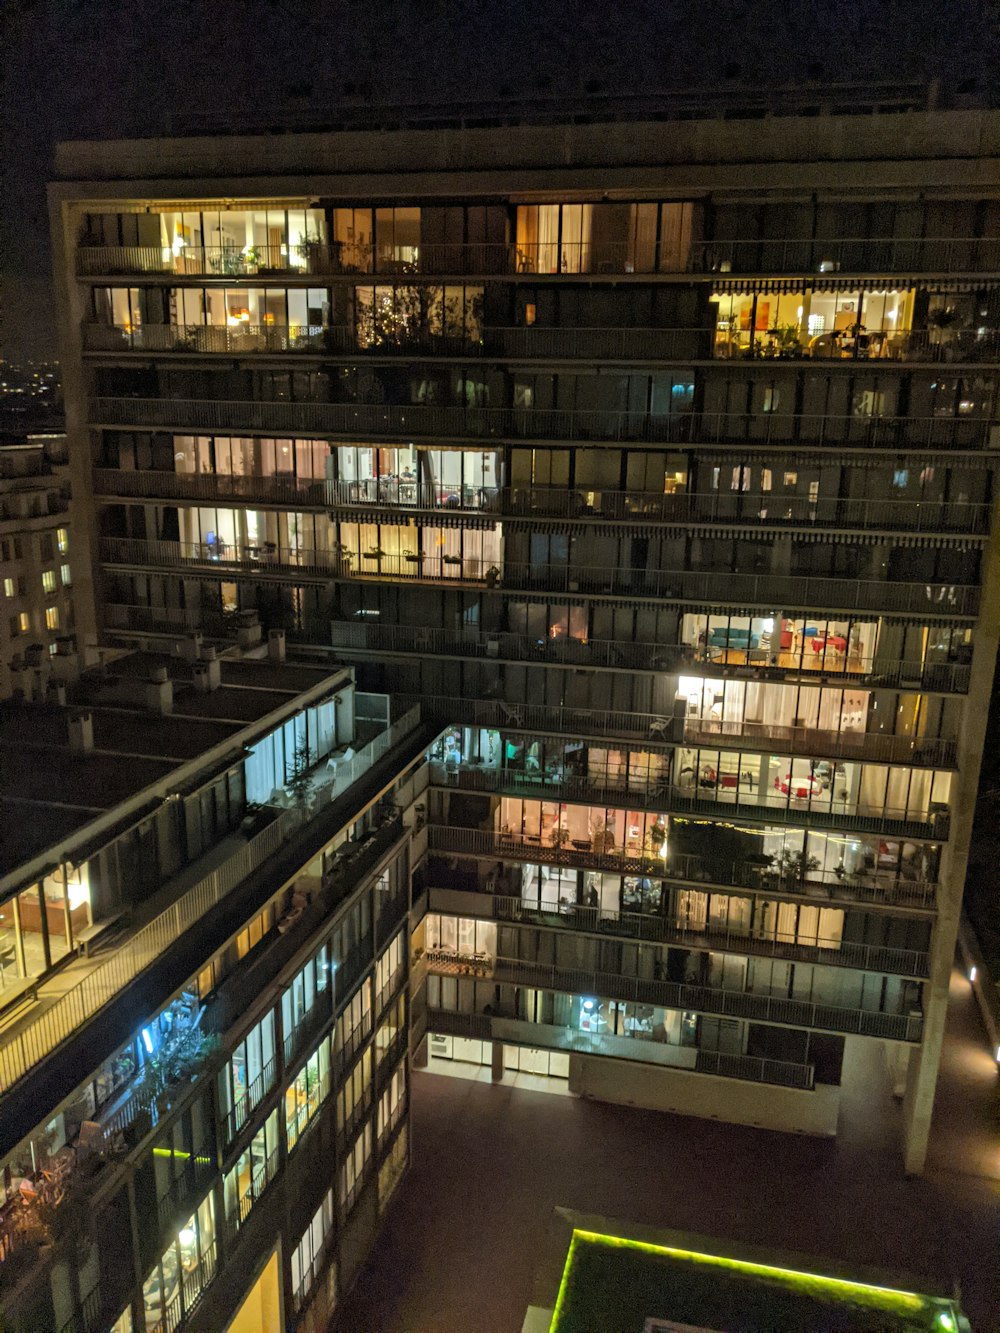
(36, 580)
(654, 459)
(204, 884)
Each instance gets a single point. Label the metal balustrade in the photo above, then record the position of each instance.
(247, 1103)
(51, 1026)
(651, 728)
(628, 345)
(405, 422)
(697, 586)
(580, 504)
(662, 796)
(197, 1170)
(813, 257)
(259, 1181)
(825, 669)
(757, 1069)
(654, 929)
(746, 1005)
(686, 869)
(808, 257)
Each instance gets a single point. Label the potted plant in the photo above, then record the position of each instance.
(301, 784)
(414, 557)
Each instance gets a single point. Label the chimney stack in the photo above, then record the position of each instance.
(276, 645)
(81, 733)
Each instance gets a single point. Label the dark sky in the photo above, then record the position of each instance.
(108, 68)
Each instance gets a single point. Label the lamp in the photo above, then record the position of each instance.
(186, 1236)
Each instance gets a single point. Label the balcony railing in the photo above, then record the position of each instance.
(356, 421)
(652, 929)
(784, 1073)
(924, 751)
(580, 504)
(263, 1175)
(661, 797)
(247, 1102)
(696, 586)
(685, 869)
(810, 257)
(815, 256)
(62, 1019)
(709, 1000)
(618, 654)
(977, 346)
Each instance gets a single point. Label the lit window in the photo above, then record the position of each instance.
(52, 617)
(48, 580)
(8, 587)
(62, 540)
(23, 622)
(67, 578)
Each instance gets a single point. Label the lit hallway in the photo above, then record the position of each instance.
(460, 1247)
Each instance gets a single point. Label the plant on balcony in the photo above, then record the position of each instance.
(301, 784)
(376, 553)
(451, 559)
(793, 866)
(310, 249)
(785, 340)
(229, 262)
(414, 557)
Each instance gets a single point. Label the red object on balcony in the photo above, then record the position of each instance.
(834, 641)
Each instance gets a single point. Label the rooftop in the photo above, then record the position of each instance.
(620, 1281)
(52, 788)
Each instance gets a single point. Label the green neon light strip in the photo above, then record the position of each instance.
(863, 1293)
(170, 1152)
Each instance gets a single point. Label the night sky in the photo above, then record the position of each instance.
(109, 68)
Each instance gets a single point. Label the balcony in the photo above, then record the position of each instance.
(405, 422)
(687, 870)
(922, 751)
(618, 654)
(809, 256)
(783, 1073)
(55, 1021)
(695, 586)
(661, 797)
(580, 505)
(890, 345)
(743, 1005)
(805, 257)
(650, 929)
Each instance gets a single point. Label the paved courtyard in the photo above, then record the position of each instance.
(462, 1240)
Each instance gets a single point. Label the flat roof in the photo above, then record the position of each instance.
(49, 790)
(622, 1284)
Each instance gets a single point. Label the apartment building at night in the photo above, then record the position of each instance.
(654, 460)
(204, 1084)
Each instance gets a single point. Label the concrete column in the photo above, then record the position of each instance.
(419, 1055)
(497, 1062)
(918, 1104)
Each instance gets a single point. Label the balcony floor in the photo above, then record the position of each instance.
(462, 1240)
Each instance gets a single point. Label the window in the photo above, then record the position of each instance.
(352, 1171)
(392, 1103)
(306, 1093)
(253, 932)
(300, 996)
(62, 540)
(8, 587)
(355, 1023)
(186, 1267)
(388, 964)
(254, 1170)
(248, 1075)
(391, 1171)
(52, 617)
(354, 1098)
(67, 578)
(48, 580)
(307, 1257)
(24, 624)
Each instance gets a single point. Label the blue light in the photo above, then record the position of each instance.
(147, 1041)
